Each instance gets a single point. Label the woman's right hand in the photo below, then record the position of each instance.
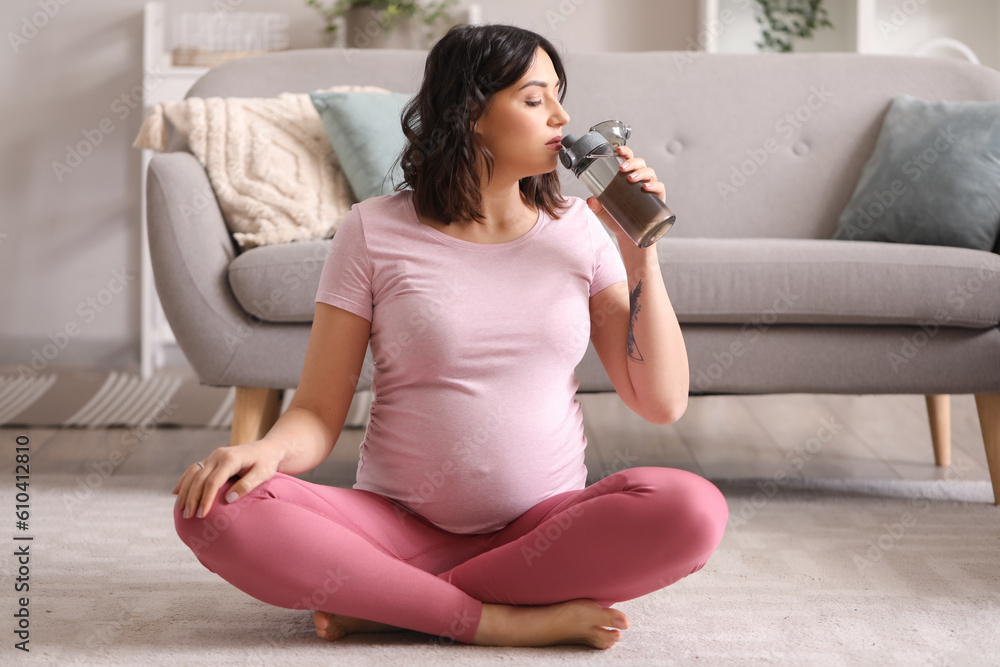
(255, 462)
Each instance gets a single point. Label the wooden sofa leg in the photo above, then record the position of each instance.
(255, 410)
(939, 413)
(988, 406)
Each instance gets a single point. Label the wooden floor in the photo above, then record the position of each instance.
(812, 436)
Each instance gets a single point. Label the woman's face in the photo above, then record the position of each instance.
(523, 124)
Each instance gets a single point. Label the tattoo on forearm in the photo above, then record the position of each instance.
(634, 308)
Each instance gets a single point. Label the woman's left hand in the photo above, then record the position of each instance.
(638, 172)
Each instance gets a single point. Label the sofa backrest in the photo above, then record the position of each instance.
(748, 145)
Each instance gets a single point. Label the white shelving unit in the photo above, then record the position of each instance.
(161, 82)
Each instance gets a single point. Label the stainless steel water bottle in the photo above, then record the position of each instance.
(593, 158)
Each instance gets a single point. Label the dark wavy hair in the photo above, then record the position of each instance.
(462, 72)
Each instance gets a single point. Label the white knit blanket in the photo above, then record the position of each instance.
(269, 161)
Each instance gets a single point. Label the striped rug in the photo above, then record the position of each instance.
(106, 398)
(90, 398)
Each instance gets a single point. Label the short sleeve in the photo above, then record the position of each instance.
(346, 279)
(608, 266)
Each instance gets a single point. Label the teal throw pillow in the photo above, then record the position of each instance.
(366, 134)
(933, 178)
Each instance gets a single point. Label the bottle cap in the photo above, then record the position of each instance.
(614, 131)
(575, 149)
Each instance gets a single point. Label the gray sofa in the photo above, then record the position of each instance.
(768, 303)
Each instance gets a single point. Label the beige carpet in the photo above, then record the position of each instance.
(831, 574)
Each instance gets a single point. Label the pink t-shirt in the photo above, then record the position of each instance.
(474, 418)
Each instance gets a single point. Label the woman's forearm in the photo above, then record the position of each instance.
(303, 438)
(657, 358)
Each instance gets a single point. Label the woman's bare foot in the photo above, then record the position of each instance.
(580, 621)
(332, 627)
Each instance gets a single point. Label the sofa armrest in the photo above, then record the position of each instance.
(190, 250)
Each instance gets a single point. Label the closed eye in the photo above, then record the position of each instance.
(533, 103)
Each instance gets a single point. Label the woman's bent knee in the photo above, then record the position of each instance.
(689, 503)
(200, 533)
(712, 511)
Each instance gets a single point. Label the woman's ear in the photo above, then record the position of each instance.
(478, 111)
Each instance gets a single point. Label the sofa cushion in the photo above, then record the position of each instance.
(819, 281)
(933, 178)
(272, 282)
(739, 281)
(365, 131)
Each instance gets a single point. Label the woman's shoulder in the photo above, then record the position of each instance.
(384, 221)
(576, 209)
(383, 204)
(574, 206)
(382, 212)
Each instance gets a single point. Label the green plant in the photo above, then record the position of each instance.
(391, 11)
(782, 20)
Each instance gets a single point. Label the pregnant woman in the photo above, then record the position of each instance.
(477, 286)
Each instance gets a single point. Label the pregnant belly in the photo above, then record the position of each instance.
(471, 468)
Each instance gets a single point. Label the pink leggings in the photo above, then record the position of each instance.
(302, 545)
